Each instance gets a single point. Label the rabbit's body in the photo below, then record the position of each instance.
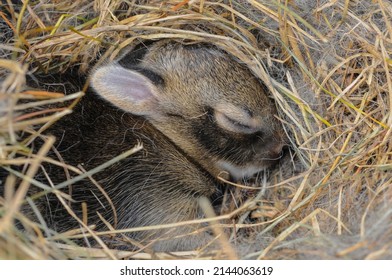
(196, 111)
(157, 185)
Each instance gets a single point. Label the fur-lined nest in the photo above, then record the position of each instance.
(328, 65)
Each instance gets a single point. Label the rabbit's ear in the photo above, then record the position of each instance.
(134, 91)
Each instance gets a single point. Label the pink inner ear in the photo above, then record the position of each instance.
(126, 89)
(128, 85)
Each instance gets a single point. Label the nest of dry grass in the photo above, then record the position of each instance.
(327, 64)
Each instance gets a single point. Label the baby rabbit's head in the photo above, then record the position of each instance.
(207, 103)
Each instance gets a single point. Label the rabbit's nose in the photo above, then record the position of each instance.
(276, 150)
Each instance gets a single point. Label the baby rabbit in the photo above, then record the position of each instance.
(198, 113)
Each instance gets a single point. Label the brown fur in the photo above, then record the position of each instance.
(206, 113)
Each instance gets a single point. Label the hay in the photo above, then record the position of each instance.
(327, 65)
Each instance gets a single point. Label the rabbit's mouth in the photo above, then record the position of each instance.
(240, 172)
(248, 170)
